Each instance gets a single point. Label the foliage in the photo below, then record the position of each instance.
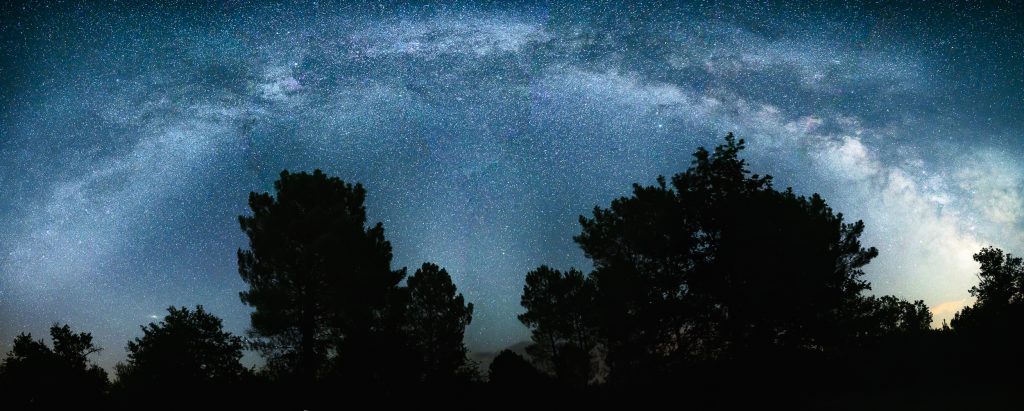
(510, 371)
(559, 313)
(716, 264)
(188, 349)
(36, 376)
(317, 276)
(436, 319)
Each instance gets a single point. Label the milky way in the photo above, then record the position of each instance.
(131, 137)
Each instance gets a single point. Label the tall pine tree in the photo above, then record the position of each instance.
(318, 277)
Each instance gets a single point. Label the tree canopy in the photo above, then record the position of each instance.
(716, 263)
(999, 295)
(317, 275)
(37, 376)
(436, 319)
(328, 304)
(559, 313)
(186, 350)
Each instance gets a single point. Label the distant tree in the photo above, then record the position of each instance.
(318, 279)
(559, 312)
(436, 320)
(510, 371)
(719, 263)
(889, 315)
(188, 351)
(35, 376)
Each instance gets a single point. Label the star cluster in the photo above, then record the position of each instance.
(131, 136)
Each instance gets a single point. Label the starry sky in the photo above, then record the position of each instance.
(131, 136)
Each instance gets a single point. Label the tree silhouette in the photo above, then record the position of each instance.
(784, 271)
(317, 277)
(188, 351)
(889, 315)
(1002, 279)
(999, 295)
(35, 376)
(436, 319)
(719, 263)
(991, 327)
(511, 372)
(559, 314)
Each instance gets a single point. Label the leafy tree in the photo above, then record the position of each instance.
(784, 271)
(999, 295)
(559, 313)
(1002, 278)
(436, 318)
(719, 263)
(187, 351)
(889, 315)
(987, 336)
(317, 276)
(35, 376)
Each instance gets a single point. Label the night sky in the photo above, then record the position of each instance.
(130, 137)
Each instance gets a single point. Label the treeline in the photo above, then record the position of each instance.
(712, 288)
